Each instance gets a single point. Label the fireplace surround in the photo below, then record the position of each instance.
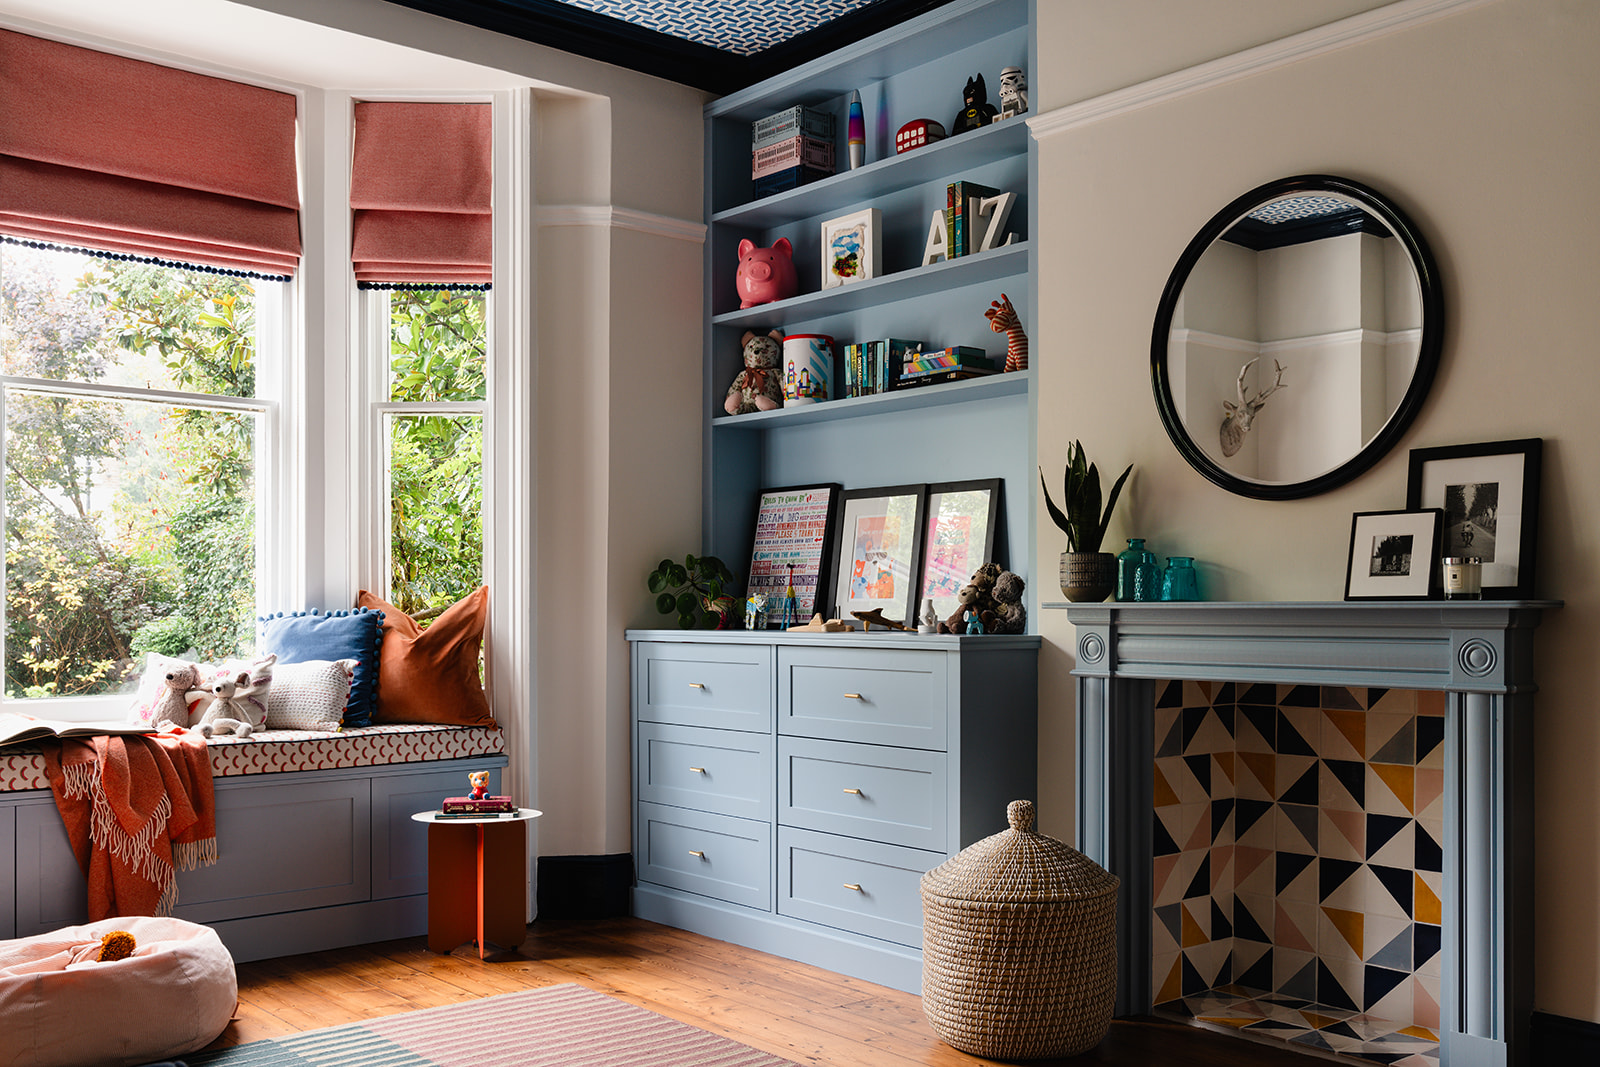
(1479, 654)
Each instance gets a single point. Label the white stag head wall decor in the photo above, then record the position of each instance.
(1242, 416)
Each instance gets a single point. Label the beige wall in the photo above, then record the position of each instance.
(1482, 125)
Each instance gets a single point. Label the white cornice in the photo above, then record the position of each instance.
(621, 218)
(1357, 29)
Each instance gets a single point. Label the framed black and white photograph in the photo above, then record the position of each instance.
(960, 537)
(791, 544)
(1489, 494)
(1393, 554)
(877, 551)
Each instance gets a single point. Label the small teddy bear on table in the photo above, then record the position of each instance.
(759, 387)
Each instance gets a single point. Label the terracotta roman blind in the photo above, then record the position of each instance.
(119, 155)
(420, 186)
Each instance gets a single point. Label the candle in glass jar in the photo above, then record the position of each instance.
(1463, 578)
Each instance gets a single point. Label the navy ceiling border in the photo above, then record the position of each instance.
(611, 40)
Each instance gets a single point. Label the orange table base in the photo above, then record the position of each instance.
(477, 875)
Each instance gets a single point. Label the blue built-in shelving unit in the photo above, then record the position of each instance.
(964, 430)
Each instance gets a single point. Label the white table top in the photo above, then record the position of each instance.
(520, 815)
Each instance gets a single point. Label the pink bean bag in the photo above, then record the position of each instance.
(62, 1007)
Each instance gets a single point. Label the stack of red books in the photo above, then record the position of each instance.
(466, 807)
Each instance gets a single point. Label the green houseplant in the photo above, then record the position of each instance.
(695, 590)
(1087, 574)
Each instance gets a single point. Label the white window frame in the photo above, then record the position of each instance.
(273, 317)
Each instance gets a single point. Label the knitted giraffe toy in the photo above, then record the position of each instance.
(1003, 319)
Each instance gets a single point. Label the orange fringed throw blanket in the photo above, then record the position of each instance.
(137, 807)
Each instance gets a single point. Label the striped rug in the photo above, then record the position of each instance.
(557, 1026)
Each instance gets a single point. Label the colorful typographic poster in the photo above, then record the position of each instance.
(790, 542)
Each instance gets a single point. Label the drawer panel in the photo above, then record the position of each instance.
(728, 687)
(874, 696)
(702, 852)
(860, 886)
(895, 795)
(725, 771)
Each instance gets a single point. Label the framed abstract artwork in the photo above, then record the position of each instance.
(1490, 497)
(959, 537)
(877, 551)
(850, 245)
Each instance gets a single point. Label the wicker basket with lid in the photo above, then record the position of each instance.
(1019, 954)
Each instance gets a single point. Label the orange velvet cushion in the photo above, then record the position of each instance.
(432, 675)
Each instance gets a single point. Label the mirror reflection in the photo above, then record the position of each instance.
(1291, 338)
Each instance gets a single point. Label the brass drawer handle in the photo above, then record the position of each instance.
(856, 792)
(697, 854)
(853, 885)
(697, 685)
(697, 770)
(854, 696)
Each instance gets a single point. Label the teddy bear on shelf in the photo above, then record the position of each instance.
(171, 709)
(1009, 615)
(973, 601)
(239, 701)
(759, 387)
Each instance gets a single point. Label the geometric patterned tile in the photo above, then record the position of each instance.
(1343, 734)
(1341, 835)
(1390, 789)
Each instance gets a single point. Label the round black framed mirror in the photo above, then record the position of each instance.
(1296, 338)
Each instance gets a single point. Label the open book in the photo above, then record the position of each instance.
(16, 728)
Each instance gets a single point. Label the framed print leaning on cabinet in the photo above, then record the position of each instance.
(960, 537)
(877, 551)
(1490, 496)
(793, 541)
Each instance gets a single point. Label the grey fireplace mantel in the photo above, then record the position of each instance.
(1480, 653)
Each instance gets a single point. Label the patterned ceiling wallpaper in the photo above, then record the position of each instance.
(742, 27)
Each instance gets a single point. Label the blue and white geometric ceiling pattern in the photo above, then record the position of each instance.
(742, 27)
(1291, 208)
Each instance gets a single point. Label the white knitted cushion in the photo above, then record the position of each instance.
(309, 695)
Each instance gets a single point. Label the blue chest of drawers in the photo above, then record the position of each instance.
(791, 789)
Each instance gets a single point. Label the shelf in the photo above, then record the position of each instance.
(939, 277)
(917, 398)
(852, 188)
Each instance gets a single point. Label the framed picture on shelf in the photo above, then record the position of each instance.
(1393, 554)
(792, 544)
(850, 247)
(1490, 497)
(960, 536)
(877, 551)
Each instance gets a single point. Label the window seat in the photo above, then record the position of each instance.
(275, 751)
(316, 845)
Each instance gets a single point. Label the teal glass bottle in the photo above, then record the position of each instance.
(1137, 572)
(1179, 581)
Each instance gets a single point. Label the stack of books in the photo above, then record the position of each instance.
(791, 148)
(874, 366)
(475, 807)
(954, 364)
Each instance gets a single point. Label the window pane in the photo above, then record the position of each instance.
(130, 528)
(72, 317)
(435, 510)
(436, 345)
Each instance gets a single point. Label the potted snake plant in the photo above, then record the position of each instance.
(1088, 575)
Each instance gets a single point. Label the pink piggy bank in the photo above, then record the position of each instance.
(765, 274)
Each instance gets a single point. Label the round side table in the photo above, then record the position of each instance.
(477, 880)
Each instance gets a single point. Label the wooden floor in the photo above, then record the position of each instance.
(801, 1013)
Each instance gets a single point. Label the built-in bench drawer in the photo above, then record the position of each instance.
(875, 696)
(861, 886)
(726, 771)
(702, 852)
(896, 795)
(728, 687)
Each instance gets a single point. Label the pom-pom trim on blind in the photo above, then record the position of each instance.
(123, 257)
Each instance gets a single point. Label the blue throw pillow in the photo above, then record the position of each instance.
(312, 635)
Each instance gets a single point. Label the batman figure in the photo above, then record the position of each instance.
(977, 111)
